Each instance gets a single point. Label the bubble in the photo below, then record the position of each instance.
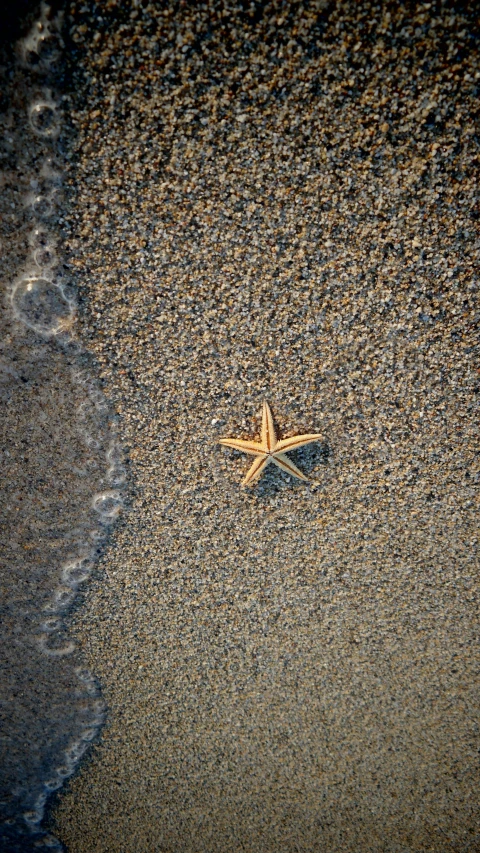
(40, 237)
(98, 399)
(99, 708)
(96, 535)
(90, 441)
(40, 48)
(84, 410)
(85, 676)
(44, 118)
(89, 734)
(108, 504)
(114, 453)
(76, 571)
(43, 205)
(51, 625)
(45, 257)
(116, 475)
(63, 596)
(33, 817)
(63, 771)
(75, 752)
(42, 305)
(53, 784)
(54, 651)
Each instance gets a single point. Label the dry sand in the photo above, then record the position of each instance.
(276, 201)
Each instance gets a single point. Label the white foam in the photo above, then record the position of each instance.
(51, 625)
(40, 300)
(41, 47)
(75, 752)
(54, 651)
(98, 399)
(108, 504)
(53, 784)
(40, 236)
(44, 118)
(63, 597)
(42, 204)
(85, 676)
(76, 572)
(42, 305)
(45, 257)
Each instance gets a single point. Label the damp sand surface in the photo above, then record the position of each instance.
(277, 202)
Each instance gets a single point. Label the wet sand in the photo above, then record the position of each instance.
(277, 202)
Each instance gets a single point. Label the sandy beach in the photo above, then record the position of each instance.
(276, 201)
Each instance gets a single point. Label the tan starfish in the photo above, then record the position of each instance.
(269, 449)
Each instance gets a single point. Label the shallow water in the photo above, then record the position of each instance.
(61, 464)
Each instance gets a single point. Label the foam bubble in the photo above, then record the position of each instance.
(45, 257)
(42, 305)
(43, 204)
(63, 596)
(108, 504)
(89, 734)
(33, 818)
(114, 453)
(40, 236)
(54, 651)
(116, 475)
(53, 784)
(76, 571)
(84, 409)
(63, 771)
(95, 535)
(44, 118)
(40, 48)
(51, 625)
(90, 440)
(85, 676)
(98, 708)
(43, 245)
(74, 753)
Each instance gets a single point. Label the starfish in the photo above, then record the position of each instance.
(269, 449)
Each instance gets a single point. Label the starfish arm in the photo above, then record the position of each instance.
(256, 469)
(287, 465)
(252, 447)
(287, 444)
(269, 436)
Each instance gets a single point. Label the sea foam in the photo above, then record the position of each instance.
(64, 472)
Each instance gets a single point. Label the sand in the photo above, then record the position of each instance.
(276, 201)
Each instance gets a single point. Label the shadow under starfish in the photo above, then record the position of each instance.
(269, 449)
